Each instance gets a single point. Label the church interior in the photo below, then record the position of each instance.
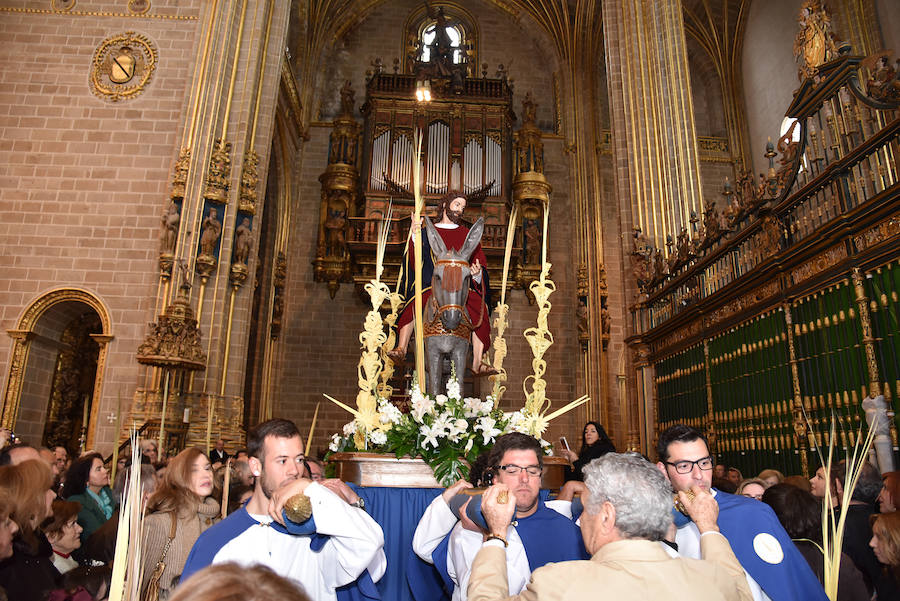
(195, 196)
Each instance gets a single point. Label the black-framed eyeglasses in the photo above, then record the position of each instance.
(513, 469)
(686, 467)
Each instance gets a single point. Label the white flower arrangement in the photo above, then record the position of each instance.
(447, 431)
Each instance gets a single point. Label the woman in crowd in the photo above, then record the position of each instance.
(8, 526)
(101, 545)
(752, 488)
(150, 451)
(594, 443)
(886, 543)
(771, 477)
(29, 574)
(87, 483)
(801, 515)
(64, 534)
(227, 581)
(178, 512)
(889, 497)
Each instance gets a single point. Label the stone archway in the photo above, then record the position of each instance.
(52, 331)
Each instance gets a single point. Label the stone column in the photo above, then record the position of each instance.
(654, 138)
(220, 165)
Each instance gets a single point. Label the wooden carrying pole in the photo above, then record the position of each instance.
(417, 251)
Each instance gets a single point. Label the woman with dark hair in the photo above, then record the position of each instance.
(87, 483)
(29, 574)
(180, 509)
(595, 443)
(64, 533)
(801, 515)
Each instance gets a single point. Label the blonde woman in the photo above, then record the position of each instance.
(177, 513)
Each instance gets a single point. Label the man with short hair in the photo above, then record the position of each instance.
(217, 454)
(774, 567)
(539, 536)
(626, 511)
(62, 458)
(316, 469)
(49, 457)
(346, 541)
(734, 476)
(18, 452)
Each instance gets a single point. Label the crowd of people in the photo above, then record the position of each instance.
(219, 526)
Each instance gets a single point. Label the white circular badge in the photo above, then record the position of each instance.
(768, 548)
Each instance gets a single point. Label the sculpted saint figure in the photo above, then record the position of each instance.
(209, 233)
(170, 220)
(242, 242)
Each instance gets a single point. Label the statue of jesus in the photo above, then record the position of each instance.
(453, 232)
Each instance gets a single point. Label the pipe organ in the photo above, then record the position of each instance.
(466, 145)
(779, 316)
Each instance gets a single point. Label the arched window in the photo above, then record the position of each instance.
(456, 35)
(455, 24)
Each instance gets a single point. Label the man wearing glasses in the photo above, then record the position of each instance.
(537, 536)
(774, 567)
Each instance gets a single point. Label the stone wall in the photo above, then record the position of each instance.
(83, 179)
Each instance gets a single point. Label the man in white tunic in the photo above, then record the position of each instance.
(346, 542)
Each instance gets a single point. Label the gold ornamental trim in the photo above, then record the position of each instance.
(877, 234)
(122, 66)
(819, 264)
(338, 176)
(93, 13)
(531, 185)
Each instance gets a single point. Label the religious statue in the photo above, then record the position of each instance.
(660, 268)
(453, 236)
(605, 324)
(210, 231)
(712, 227)
(170, 220)
(683, 247)
(788, 147)
(883, 83)
(532, 233)
(335, 231)
(762, 190)
(243, 240)
(581, 316)
(814, 43)
(529, 110)
(347, 97)
(641, 259)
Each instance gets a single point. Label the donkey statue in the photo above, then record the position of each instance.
(447, 326)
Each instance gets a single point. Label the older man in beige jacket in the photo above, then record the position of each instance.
(627, 512)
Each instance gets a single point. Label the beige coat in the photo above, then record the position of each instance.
(621, 570)
(156, 532)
